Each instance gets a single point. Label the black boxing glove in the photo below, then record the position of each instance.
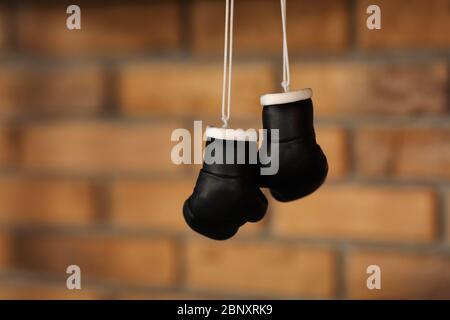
(226, 194)
(303, 166)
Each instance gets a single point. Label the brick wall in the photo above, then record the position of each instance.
(85, 171)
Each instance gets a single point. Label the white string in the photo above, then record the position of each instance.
(286, 73)
(227, 62)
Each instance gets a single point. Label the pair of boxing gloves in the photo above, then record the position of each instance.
(227, 193)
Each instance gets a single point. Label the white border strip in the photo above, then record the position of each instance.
(285, 97)
(232, 134)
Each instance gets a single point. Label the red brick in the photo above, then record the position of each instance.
(179, 89)
(98, 147)
(4, 28)
(403, 275)
(405, 24)
(404, 152)
(311, 25)
(28, 290)
(6, 250)
(26, 89)
(67, 202)
(254, 229)
(374, 88)
(334, 143)
(162, 296)
(157, 205)
(7, 151)
(116, 28)
(359, 212)
(135, 260)
(447, 214)
(263, 268)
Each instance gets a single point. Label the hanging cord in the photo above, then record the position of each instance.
(286, 73)
(227, 63)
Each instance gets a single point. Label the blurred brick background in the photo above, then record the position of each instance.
(85, 171)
